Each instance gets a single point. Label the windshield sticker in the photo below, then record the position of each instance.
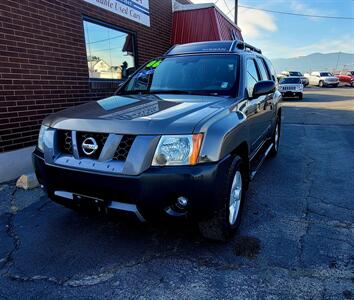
(143, 73)
(115, 102)
(224, 85)
(154, 64)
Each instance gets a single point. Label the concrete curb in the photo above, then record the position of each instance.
(15, 163)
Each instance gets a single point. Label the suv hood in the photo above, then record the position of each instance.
(139, 114)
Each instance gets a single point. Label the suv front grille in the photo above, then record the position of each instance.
(65, 141)
(124, 147)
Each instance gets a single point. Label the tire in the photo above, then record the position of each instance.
(321, 84)
(300, 96)
(275, 139)
(336, 85)
(352, 84)
(223, 224)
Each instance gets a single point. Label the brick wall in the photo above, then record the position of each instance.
(43, 66)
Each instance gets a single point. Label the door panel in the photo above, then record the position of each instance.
(266, 103)
(253, 109)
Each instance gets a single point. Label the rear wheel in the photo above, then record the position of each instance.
(275, 139)
(224, 223)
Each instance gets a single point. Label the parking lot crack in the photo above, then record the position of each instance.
(11, 232)
(308, 181)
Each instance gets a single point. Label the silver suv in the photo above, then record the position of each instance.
(182, 137)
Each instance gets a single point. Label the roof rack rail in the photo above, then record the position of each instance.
(244, 46)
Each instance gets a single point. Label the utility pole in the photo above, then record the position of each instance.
(236, 11)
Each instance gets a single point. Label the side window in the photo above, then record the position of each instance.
(262, 69)
(252, 76)
(273, 73)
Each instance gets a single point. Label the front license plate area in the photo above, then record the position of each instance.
(90, 202)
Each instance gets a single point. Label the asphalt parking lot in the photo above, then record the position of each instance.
(296, 240)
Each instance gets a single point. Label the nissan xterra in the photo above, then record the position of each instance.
(182, 137)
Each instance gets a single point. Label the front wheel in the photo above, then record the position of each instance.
(224, 223)
(321, 84)
(300, 96)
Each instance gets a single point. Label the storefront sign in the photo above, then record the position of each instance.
(136, 10)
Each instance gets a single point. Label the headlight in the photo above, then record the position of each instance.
(41, 137)
(178, 150)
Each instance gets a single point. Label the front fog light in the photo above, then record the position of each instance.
(41, 137)
(182, 202)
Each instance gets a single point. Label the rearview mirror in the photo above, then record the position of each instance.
(264, 87)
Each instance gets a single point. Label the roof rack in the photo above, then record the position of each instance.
(244, 46)
(211, 47)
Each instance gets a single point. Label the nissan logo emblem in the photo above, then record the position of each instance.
(89, 146)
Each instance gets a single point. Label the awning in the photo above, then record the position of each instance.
(202, 22)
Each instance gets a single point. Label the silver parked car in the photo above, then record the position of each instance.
(323, 79)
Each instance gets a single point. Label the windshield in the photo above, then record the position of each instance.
(287, 80)
(295, 74)
(195, 74)
(325, 74)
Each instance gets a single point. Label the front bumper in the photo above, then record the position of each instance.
(152, 192)
(331, 83)
(291, 93)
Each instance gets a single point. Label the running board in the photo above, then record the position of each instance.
(253, 173)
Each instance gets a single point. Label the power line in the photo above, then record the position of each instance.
(296, 14)
(227, 7)
(108, 39)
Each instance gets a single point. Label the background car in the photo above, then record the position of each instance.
(304, 80)
(291, 87)
(323, 79)
(346, 77)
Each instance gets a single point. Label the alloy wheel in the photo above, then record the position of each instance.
(235, 198)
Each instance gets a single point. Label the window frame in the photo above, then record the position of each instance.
(260, 62)
(114, 27)
(257, 70)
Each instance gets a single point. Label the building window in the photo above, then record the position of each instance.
(110, 52)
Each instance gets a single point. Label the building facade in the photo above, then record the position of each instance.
(59, 53)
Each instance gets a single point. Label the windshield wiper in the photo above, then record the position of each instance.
(170, 92)
(182, 92)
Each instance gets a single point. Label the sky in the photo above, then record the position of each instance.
(284, 36)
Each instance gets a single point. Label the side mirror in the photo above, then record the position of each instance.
(264, 87)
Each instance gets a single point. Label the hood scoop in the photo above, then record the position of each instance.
(140, 110)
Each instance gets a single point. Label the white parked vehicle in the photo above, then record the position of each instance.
(323, 79)
(291, 87)
(304, 80)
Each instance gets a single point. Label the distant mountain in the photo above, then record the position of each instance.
(315, 62)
